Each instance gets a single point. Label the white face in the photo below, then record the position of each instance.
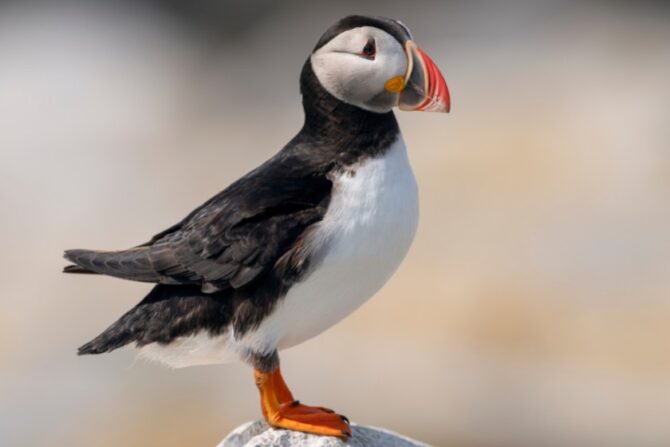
(345, 68)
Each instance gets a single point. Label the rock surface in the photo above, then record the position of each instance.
(258, 434)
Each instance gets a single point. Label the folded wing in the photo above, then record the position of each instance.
(231, 240)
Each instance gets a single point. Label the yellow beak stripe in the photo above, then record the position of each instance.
(395, 84)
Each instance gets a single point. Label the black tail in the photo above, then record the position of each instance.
(166, 313)
(114, 337)
(119, 334)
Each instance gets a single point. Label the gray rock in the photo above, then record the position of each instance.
(258, 434)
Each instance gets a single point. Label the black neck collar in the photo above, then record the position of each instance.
(348, 133)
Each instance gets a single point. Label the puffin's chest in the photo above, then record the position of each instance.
(372, 216)
(365, 234)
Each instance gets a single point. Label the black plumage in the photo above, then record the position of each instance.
(231, 259)
(165, 313)
(232, 238)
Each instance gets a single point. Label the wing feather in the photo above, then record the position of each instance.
(229, 241)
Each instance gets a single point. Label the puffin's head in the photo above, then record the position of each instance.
(373, 63)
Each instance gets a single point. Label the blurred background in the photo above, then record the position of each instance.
(532, 310)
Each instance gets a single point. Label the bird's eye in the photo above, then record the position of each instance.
(370, 49)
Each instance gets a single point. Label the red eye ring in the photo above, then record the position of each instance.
(370, 49)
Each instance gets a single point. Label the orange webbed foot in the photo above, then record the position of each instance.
(282, 411)
(319, 423)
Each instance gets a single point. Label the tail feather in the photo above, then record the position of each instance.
(130, 327)
(167, 312)
(113, 338)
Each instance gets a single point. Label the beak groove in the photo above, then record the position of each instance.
(426, 90)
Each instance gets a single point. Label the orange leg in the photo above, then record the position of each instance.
(280, 410)
(281, 389)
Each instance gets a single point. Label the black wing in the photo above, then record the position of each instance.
(231, 239)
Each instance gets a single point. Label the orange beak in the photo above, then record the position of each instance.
(425, 88)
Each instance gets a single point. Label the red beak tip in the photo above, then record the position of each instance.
(438, 99)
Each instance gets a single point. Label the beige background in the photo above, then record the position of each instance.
(532, 310)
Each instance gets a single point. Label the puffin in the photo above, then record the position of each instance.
(298, 243)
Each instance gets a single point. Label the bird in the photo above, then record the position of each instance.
(298, 243)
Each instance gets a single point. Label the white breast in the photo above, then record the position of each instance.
(366, 232)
